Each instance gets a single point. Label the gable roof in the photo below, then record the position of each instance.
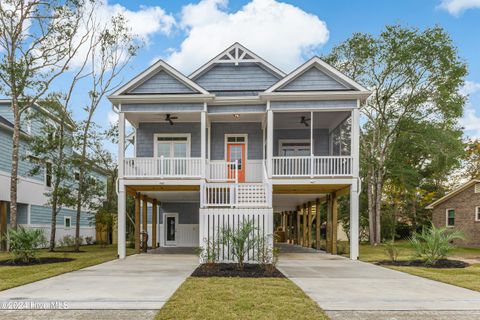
(237, 54)
(322, 66)
(154, 69)
(453, 193)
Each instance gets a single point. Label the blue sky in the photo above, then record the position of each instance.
(187, 33)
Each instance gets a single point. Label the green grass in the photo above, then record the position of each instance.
(13, 276)
(240, 298)
(467, 277)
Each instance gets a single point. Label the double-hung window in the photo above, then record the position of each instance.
(450, 217)
(477, 213)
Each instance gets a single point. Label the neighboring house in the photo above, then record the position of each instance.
(237, 140)
(460, 210)
(32, 209)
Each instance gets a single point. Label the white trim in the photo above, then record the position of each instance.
(150, 71)
(322, 66)
(453, 193)
(236, 59)
(227, 135)
(65, 222)
(165, 215)
(477, 213)
(157, 135)
(446, 217)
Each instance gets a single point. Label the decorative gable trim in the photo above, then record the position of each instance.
(322, 66)
(151, 71)
(237, 54)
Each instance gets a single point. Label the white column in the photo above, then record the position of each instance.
(203, 143)
(355, 141)
(121, 223)
(354, 217)
(311, 144)
(269, 140)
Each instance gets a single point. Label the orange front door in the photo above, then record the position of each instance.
(236, 151)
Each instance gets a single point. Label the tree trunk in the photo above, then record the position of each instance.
(378, 206)
(14, 170)
(53, 225)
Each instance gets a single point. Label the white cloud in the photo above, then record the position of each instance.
(279, 32)
(457, 7)
(471, 122)
(470, 87)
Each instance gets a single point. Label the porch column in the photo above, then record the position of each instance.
(309, 224)
(269, 140)
(317, 224)
(121, 208)
(329, 224)
(3, 225)
(298, 225)
(304, 235)
(137, 223)
(355, 187)
(287, 231)
(144, 218)
(154, 223)
(334, 223)
(203, 135)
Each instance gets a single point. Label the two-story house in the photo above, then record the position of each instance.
(32, 208)
(236, 140)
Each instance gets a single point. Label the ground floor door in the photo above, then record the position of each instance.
(171, 225)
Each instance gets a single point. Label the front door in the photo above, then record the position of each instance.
(236, 151)
(170, 229)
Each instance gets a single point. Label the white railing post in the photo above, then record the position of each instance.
(269, 140)
(161, 166)
(203, 142)
(236, 171)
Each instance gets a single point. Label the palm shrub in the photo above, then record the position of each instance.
(433, 244)
(209, 253)
(266, 254)
(23, 243)
(391, 250)
(240, 241)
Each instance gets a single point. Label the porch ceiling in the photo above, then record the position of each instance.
(315, 189)
(289, 202)
(291, 120)
(136, 117)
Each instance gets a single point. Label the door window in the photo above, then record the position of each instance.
(170, 228)
(236, 155)
(295, 149)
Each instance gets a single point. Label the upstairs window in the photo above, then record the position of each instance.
(67, 222)
(450, 217)
(477, 213)
(77, 176)
(48, 174)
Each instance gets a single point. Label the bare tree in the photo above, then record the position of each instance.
(38, 40)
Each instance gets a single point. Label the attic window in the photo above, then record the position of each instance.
(477, 188)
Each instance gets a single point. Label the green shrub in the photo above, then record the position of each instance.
(23, 243)
(67, 241)
(391, 250)
(89, 240)
(266, 254)
(209, 253)
(433, 244)
(240, 241)
(342, 247)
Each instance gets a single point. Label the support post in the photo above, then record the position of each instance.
(355, 187)
(203, 142)
(137, 223)
(304, 214)
(144, 220)
(334, 223)
(298, 225)
(154, 223)
(287, 231)
(121, 208)
(269, 140)
(317, 224)
(309, 224)
(329, 224)
(3, 225)
(354, 227)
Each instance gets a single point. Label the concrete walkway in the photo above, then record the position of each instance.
(338, 284)
(139, 282)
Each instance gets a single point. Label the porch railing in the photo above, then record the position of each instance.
(162, 167)
(222, 171)
(234, 195)
(312, 166)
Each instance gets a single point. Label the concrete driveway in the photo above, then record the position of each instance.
(139, 282)
(338, 285)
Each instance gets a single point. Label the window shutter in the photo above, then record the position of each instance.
(477, 188)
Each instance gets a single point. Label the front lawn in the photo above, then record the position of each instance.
(240, 298)
(463, 277)
(13, 276)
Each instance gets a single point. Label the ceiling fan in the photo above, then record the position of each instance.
(305, 120)
(170, 119)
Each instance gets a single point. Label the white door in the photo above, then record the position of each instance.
(170, 223)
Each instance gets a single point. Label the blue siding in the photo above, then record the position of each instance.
(255, 138)
(146, 130)
(313, 80)
(322, 104)
(188, 213)
(320, 139)
(162, 82)
(244, 77)
(162, 107)
(43, 214)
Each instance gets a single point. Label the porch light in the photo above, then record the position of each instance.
(236, 115)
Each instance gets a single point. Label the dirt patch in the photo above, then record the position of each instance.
(38, 261)
(250, 270)
(441, 264)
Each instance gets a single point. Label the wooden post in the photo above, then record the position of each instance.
(290, 228)
(304, 216)
(334, 223)
(329, 224)
(3, 225)
(154, 223)
(144, 217)
(317, 224)
(137, 223)
(310, 223)
(298, 225)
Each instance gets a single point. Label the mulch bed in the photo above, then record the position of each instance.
(231, 270)
(441, 264)
(38, 261)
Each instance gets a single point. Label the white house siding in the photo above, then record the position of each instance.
(252, 129)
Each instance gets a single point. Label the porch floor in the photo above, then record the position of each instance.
(172, 250)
